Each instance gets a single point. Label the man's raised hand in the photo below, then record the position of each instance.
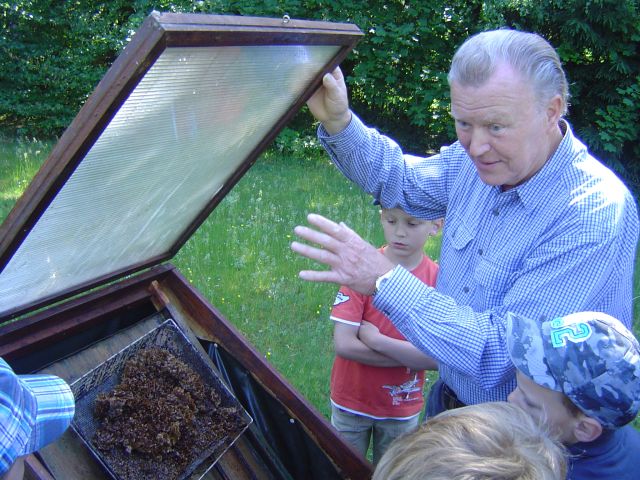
(352, 261)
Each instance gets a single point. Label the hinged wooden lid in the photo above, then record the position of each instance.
(177, 120)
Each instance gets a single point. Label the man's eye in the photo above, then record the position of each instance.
(496, 128)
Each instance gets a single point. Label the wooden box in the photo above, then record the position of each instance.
(182, 114)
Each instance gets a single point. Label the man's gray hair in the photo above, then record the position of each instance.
(528, 54)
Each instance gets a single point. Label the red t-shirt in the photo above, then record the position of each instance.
(378, 392)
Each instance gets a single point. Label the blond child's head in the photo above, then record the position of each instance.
(406, 235)
(478, 442)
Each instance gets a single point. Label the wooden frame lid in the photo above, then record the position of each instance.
(182, 114)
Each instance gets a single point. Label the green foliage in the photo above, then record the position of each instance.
(399, 72)
(618, 132)
(598, 43)
(53, 54)
(291, 142)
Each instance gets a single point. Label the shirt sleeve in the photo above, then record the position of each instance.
(474, 343)
(377, 164)
(348, 307)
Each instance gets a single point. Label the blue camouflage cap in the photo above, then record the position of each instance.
(591, 357)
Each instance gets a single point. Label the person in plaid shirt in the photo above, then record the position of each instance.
(533, 223)
(34, 411)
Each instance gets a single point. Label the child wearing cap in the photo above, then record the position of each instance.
(581, 375)
(376, 395)
(34, 411)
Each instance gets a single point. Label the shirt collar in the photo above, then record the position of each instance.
(535, 190)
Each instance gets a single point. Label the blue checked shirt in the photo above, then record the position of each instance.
(564, 241)
(21, 431)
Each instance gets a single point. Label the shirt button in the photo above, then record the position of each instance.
(465, 289)
(480, 252)
(495, 212)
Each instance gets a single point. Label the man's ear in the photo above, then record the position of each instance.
(587, 429)
(554, 110)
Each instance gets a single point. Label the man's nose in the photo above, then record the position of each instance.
(479, 143)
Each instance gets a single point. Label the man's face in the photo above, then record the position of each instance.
(508, 136)
(546, 406)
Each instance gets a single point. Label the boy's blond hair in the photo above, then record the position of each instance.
(479, 442)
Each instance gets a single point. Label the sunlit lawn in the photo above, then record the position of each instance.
(240, 257)
(241, 261)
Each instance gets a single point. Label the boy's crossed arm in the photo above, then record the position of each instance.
(349, 346)
(402, 351)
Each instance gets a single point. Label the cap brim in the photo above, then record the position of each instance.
(51, 406)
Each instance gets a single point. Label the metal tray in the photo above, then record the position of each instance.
(106, 376)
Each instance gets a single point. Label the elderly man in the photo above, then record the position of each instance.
(533, 223)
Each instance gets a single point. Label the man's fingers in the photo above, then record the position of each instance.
(320, 276)
(323, 223)
(313, 253)
(325, 241)
(332, 79)
(339, 231)
(337, 74)
(328, 81)
(348, 235)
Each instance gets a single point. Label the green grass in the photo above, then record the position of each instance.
(241, 261)
(19, 162)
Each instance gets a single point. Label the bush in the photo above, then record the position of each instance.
(54, 53)
(598, 43)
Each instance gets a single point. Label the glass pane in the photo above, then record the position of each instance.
(187, 126)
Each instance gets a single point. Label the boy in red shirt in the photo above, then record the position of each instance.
(377, 394)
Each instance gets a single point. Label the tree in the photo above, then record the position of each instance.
(54, 53)
(598, 43)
